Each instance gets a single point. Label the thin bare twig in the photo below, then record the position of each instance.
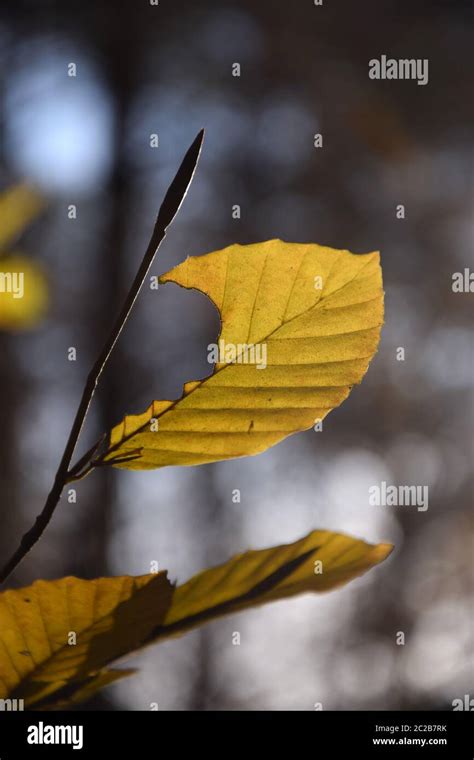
(77, 472)
(168, 210)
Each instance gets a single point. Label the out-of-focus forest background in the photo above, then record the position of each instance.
(85, 140)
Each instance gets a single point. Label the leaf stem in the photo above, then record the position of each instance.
(168, 210)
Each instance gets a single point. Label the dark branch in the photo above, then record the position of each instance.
(168, 210)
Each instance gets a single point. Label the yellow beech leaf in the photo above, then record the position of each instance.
(57, 636)
(300, 324)
(23, 292)
(76, 692)
(320, 561)
(112, 617)
(19, 205)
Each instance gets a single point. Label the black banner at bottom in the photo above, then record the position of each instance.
(134, 734)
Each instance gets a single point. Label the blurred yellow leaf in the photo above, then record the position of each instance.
(23, 286)
(300, 324)
(112, 617)
(23, 292)
(19, 205)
